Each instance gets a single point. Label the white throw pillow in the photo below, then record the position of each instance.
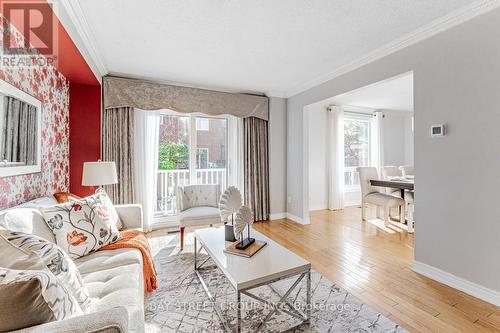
(56, 260)
(28, 221)
(82, 226)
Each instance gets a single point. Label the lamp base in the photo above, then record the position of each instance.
(245, 243)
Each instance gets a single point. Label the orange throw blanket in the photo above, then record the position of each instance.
(136, 239)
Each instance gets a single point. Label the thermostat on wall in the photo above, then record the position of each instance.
(437, 130)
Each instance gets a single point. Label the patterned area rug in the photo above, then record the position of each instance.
(180, 304)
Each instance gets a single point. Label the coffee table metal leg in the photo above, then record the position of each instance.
(195, 254)
(238, 311)
(308, 296)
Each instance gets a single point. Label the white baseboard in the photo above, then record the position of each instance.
(277, 216)
(296, 219)
(471, 288)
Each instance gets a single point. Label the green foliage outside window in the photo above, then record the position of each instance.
(173, 156)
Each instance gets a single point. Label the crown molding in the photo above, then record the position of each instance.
(73, 19)
(439, 25)
(279, 94)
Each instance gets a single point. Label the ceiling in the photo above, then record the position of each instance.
(392, 94)
(279, 47)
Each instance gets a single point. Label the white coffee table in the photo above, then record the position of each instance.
(272, 263)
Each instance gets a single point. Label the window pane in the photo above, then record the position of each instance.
(173, 148)
(356, 148)
(202, 158)
(173, 161)
(202, 124)
(211, 150)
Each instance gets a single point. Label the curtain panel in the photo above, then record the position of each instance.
(377, 140)
(118, 146)
(335, 158)
(256, 167)
(19, 141)
(123, 92)
(146, 131)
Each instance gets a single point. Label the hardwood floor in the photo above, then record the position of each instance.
(374, 263)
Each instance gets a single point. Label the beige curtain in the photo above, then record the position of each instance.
(256, 167)
(118, 146)
(144, 95)
(19, 140)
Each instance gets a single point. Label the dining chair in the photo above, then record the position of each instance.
(407, 170)
(197, 205)
(410, 208)
(389, 172)
(375, 196)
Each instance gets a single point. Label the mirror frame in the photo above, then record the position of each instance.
(10, 90)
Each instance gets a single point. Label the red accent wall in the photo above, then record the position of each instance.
(84, 132)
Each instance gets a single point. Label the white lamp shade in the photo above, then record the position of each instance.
(99, 173)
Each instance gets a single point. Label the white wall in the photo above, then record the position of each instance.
(277, 156)
(395, 136)
(409, 142)
(318, 172)
(457, 82)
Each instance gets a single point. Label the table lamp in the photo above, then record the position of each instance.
(99, 173)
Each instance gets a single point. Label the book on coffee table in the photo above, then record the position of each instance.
(248, 252)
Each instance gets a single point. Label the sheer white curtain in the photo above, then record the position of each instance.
(146, 129)
(377, 140)
(336, 157)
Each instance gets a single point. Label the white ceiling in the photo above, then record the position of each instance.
(278, 47)
(392, 94)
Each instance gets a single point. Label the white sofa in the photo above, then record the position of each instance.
(114, 278)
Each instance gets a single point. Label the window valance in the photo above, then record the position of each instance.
(123, 92)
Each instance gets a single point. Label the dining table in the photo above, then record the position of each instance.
(401, 183)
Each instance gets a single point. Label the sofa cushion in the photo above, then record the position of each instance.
(83, 226)
(119, 286)
(108, 259)
(382, 199)
(56, 260)
(26, 220)
(199, 216)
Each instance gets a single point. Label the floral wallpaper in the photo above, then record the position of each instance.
(52, 88)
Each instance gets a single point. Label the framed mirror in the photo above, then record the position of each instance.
(20, 131)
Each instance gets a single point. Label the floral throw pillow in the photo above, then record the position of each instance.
(55, 296)
(82, 226)
(56, 260)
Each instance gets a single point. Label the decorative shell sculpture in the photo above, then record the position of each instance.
(230, 202)
(243, 218)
